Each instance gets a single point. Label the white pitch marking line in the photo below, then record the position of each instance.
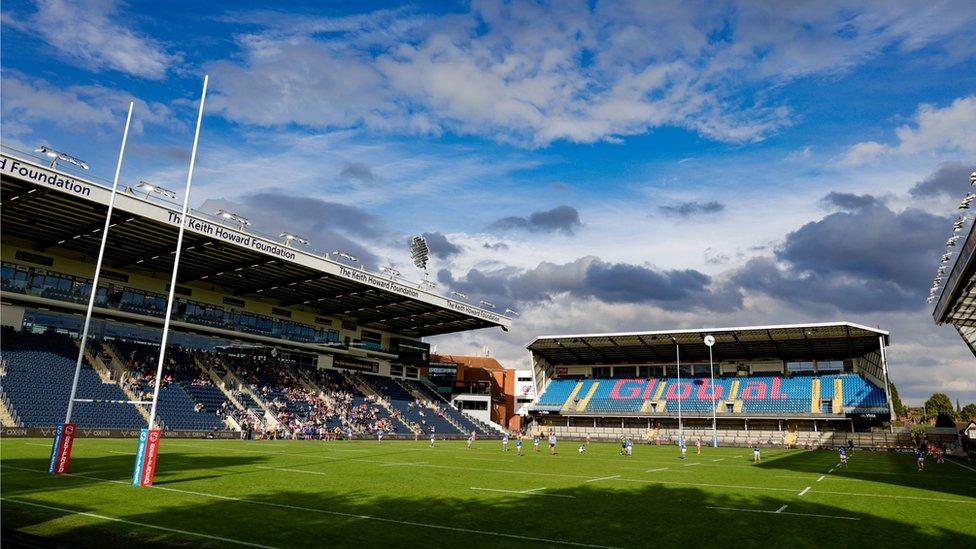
(521, 492)
(781, 509)
(140, 524)
(403, 463)
(334, 513)
(486, 459)
(805, 490)
(603, 478)
(719, 459)
(656, 470)
(950, 460)
(782, 513)
(831, 470)
(942, 500)
(292, 470)
(37, 444)
(123, 453)
(690, 464)
(821, 478)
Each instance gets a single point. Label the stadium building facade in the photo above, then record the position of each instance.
(772, 379)
(242, 299)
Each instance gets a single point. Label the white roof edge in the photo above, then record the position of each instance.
(720, 330)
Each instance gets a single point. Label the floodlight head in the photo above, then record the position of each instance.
(56, 155)
(709, 340)
(289, 238)
(419, 252)
(345, 255)
(390, 271)
(487, 304)
(153, 188)
(231, 216)
(972, 179)
(511, 312)
(459, 295)
(930, 299)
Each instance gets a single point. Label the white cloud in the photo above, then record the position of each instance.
(533, 74)
(92, 35)
(949, 130)
(31, 101)
(865, 152)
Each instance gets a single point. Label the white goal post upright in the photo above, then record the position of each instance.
(176, 259)
(64, 433)
(98, 270)
(677, 360)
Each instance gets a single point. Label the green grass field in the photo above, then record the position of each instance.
(365, 493)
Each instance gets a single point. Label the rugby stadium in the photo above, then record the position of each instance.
(728, 255)
(286, 370)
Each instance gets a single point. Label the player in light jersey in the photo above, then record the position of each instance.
(470, 440)
(505, 442)
(756, 455)
(552, 443)
(518, 443)
(432, 438)
(698, 446)
(630, 446)
(582, 448)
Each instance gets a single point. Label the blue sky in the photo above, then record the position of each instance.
(595, 165)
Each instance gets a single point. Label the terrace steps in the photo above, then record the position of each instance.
(659, 391)
(733, 391)
(104, 373)
(6, 416)
(219, 383)
(117, 366)
(586, 399)
(571, 399)
(815, 392)
(269, 419)
(837, 405)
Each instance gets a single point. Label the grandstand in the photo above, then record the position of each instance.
(781, 381)
(266, 338)
(956, 304)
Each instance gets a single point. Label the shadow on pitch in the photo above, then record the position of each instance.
(897, 468)
(383, 512)
(173, 467)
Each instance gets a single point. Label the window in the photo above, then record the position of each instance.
(524, 378)
(625, 371)
(396, 370)
(799, 366)
(471, 404)
(601, 372)
(830, 365)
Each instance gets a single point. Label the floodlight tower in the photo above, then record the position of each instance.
(420, 254)
(710, 341)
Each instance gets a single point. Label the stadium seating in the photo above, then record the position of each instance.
(37, 383)
(557, 392)
(755, 395)
(466, 422)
